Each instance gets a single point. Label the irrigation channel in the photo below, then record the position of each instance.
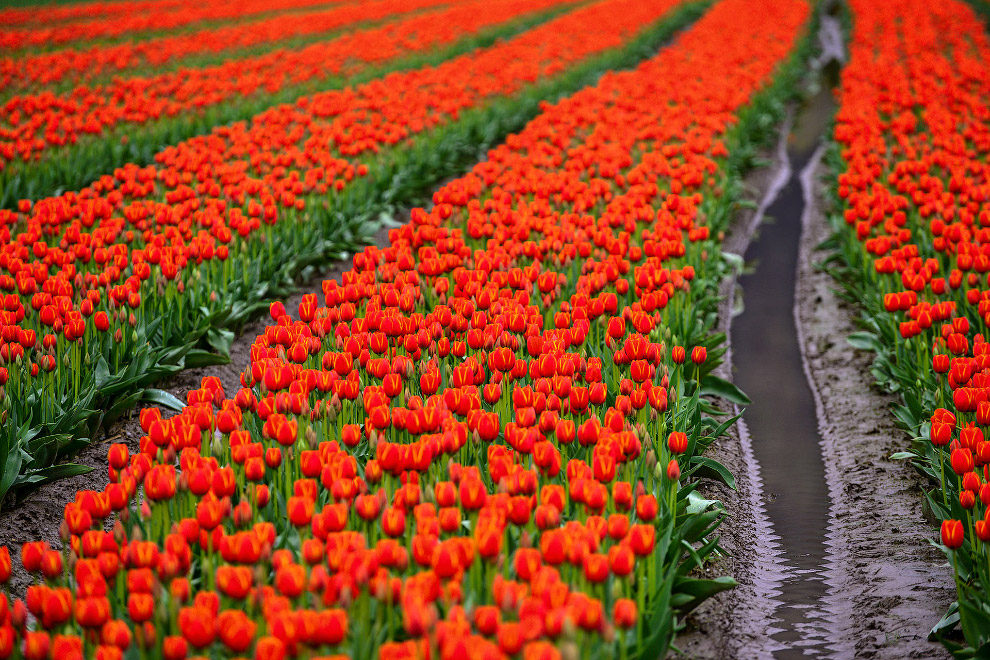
(782, 420)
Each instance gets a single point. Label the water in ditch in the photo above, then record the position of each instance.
(782, 420)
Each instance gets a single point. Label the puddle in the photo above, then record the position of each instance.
(782, 420)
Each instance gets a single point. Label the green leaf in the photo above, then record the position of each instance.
(220, 340)
(57, 472)
(947, 623)
(724, 426)
(975, 619)
(197, 357)
(11, 469)
(735, 261)
(702, 589)
(902, 455)
(102, 372)
(865, 341)
(162, 398)
(122, 405)
(698, 504)
(712, 469)
(712, 385)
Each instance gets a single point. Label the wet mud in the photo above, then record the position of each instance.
(886, 585)
(782, 419)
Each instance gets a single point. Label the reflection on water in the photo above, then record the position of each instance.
(782, 420)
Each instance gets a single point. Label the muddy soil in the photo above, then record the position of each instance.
(39, 516)
(738, 623)
(887, 585)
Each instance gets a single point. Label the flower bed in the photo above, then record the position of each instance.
(73, 66)
(911, 144)
(487, 439)
(159, 16)
(93, 129)
(122, 279)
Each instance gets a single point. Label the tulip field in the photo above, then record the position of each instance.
(497, 435)
(914, 230)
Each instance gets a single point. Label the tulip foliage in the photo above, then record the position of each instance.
(484, 441)
(913, 235)
(111, 287)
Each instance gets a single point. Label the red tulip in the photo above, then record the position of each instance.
(36, 645)
(596, 567)
(5, 565)
(962, 461)
(677, 442)
(101, 321)
(624, 613)
(952, 534)
(236, 630)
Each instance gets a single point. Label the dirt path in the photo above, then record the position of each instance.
(887, 585)
(737, 623)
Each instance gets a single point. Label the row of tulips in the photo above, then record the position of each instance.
(14, 16)
(913, 233)
(485, 441)
(72, 66)
(108, 288)
(61, 141)
(115, 24)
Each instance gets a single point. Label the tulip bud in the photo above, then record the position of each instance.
(673, 470)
